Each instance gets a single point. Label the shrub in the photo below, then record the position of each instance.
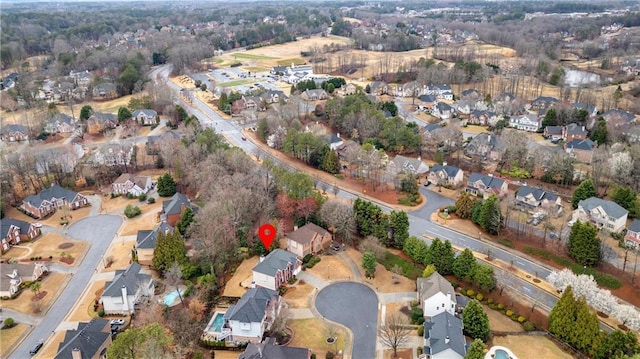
(198, 355)
(142, 197)
(420, 351)
(489, 301)
(329, 355)
(5, 297)
(8, 323)
(101, 313)
(151, 200)
(521, 319)
(292, 280)
(528, 326)
(470, 293)
(493, 306)
(514, 317)
(189, 289)
(462, 290)
(313, 261)
(282, 290)
(509, 313)
(313, 356)
(479, 297)
(131, 211)
(416, 315)
(421, 331)
(307, 258)
(414, 303)
(500, 306)
(505, 242)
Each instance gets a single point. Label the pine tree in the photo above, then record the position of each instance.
(223, 102)
(331, 162)
(584, 244)
(399, 225)
(185, 220)
(587, 331)
(600, 133)
(123, 114)
(465, 205)
(463, 264)
(490, 217)
(627, 198)
(476, 350)
(562, 318)
(85, 112)
(442, 256)
(475, 321)
(170, 248)
(585, 190)
(369, 264)
(167, 186)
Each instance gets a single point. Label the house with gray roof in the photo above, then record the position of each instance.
(445, 175)
(482, 145)
(104, 91)
(537, 198)
(543, 102)
(14, 274)
(130, 183)
(268, 349)
(128, 288)
(581, 150)
(60, 123)
(483, 118)
(443, 337)
(146, 242)
(146, 117)
(402, 164)
(314, 95)
(486, 185)
(632, 238)
(553, 132)
(49, 199)
(436, 295)
(618, 117)
(89, 340)
(529, 122)
(276, 269)
(251, 316)
(592, 110)
(603, 214)
(442, 111)
(379, 88)
(13, 231)
(12, 133)
(573, 131)
(173, 208)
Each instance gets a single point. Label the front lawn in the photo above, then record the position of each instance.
(312, 333)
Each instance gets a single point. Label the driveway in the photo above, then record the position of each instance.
(100, 231)
(356, 306)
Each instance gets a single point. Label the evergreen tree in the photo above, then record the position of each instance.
(167, 186)
(490, 215)
(482, 276)
(619, 345)
(550, 118)
(562, 318)
(170, 248)
(475, 214)
(627, 198)
(367, 88)
(185, 220)
(584, 244)
(585, 190)
(369, 264)
(262, 129)
(86, 112)
(465, 205)
(600, 133)
(464, 264)
(331, 162)
(476, 350)
(416, 249)
(399, 225)
(475, 321)
(123, 114)
(441, 255)
(223, 102)
(586, 337)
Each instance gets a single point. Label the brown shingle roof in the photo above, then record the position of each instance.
(305, 234)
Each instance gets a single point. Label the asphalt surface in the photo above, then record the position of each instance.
(100, 231)
(355, 306)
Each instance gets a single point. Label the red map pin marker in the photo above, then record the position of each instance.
(267, 233)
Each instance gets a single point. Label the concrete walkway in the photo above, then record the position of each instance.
(357, 276)
(301, 313)
(397, 297)
(312, 280)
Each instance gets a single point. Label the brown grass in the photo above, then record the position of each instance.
(48, 245)
(226, 354)
(298, 296)
(54, 219)
(120, 252)
(500, 322)
(9, 336)
(402, 354)
(244, 271)
(383, 281)
(50, 348)
(330, 268)
(83, 311)
(531, 347)
(23, 304)
(312, 334)
(146, 220)
(15, 252)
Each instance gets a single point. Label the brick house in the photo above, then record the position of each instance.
(308, 239)
(632, 238)
(14, 231)
(276, 269)
(49, 199)
(173, 208)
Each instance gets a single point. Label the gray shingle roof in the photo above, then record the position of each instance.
(450, 170)
(275, 261)
(435, 283)
(54, 191)
(14, 128)
(553, 130)
(88, 338)
(488, 181)
(147, 112)
(174, 205)
(305, 234)
(131, 278)
(634, 226)
(611, 208)
(440, 327)
(269, 350)
(537, 193)
(586, 144)
(147, 239)
(7, 222)
(575, 129)
(252, 306)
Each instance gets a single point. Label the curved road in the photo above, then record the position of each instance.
(355, 306)
(99, 231)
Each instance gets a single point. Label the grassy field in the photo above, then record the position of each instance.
(531, 347)
(255, 69)
(312, 334)
(242, 55)
(9, 336)
(288, 62)
(235, 83)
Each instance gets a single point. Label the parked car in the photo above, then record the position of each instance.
(336, 247)
(426, 184)
(117, 322)
(37, 225)
(35, 349)
(553, 235)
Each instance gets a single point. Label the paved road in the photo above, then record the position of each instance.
(356, 306)
(100, 231)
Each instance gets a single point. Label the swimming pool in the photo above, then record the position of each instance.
(216, 324)
(171, 297)
(501, 354)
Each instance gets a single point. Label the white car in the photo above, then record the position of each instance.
(571, 223)
(37, 225)
(117, 322)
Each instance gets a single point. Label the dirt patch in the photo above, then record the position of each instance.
(298, 296)
(49, 285)
(41, 294)
(9, 336)
(83, 311)
(312, 333)
(531, 346)
(330, 268)
(401, 354)
(233, 288)
(67, 260)
(65, 245)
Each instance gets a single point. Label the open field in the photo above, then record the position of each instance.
(242, 55)
(84, 306)
(244, 271)
(531, 346)
(23, 303)
(235, 83)
(312, 333)
(330, 268)
(146, 220)
(298, 296)
(10, 336)
(50, 348)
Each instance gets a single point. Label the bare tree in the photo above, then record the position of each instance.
(338, 214)
(395, 332)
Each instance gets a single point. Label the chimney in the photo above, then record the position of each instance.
(261, 259)
(76, 354)
(125, 301)
(183, 207)
(447, 340)
(444, 163)
(338, 134)
(295, 228)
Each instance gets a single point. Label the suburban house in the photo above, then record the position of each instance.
(114, 154)
(553, 133)
(247, 320)
(543, 102)
(273, 96)
(379, 88)
(104, 91)
(485, 185)
(471, 94)
(592, 110)
(127, 289)
(14, 231)
(444, 174)
(13, 274)
(534, 198)
(402, 164)
(426, 102)
(60, 123)
(99, 121)
(169, 138)
(349, 89)
(581, 150)
(574, 131)
(618, 117)
(440, 91)
(269, 350)
(442, 111)
(308, 239)
(443, 337)
(632, 238)
(431, 131)
(276, 269)
(146, 242)
(145, 117)
(529, 122)
(173, 208)
(12, 133)
(335, 141)
(482, 145)
(81, 78)
(602, 213)
(483, 118)
(49, 199)
(314, 95)
(436, 295)
(130, 183)
(89, 341)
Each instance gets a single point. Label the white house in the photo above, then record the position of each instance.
(130, 183)
(247, 320)
(632, 238)
(529, 122)
(436, 295)
(602, 213)
(445, 175)
(14, 274)
(276, 269)
(127, 288)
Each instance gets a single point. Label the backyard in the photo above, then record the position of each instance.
(531, 346)
(233, 287)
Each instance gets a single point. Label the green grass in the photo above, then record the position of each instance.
(236, 83)
(288, 62)
(255, 69)
(252, 57)
(409, 269)
(603, 280)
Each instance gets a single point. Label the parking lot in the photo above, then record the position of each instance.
(243, 78)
